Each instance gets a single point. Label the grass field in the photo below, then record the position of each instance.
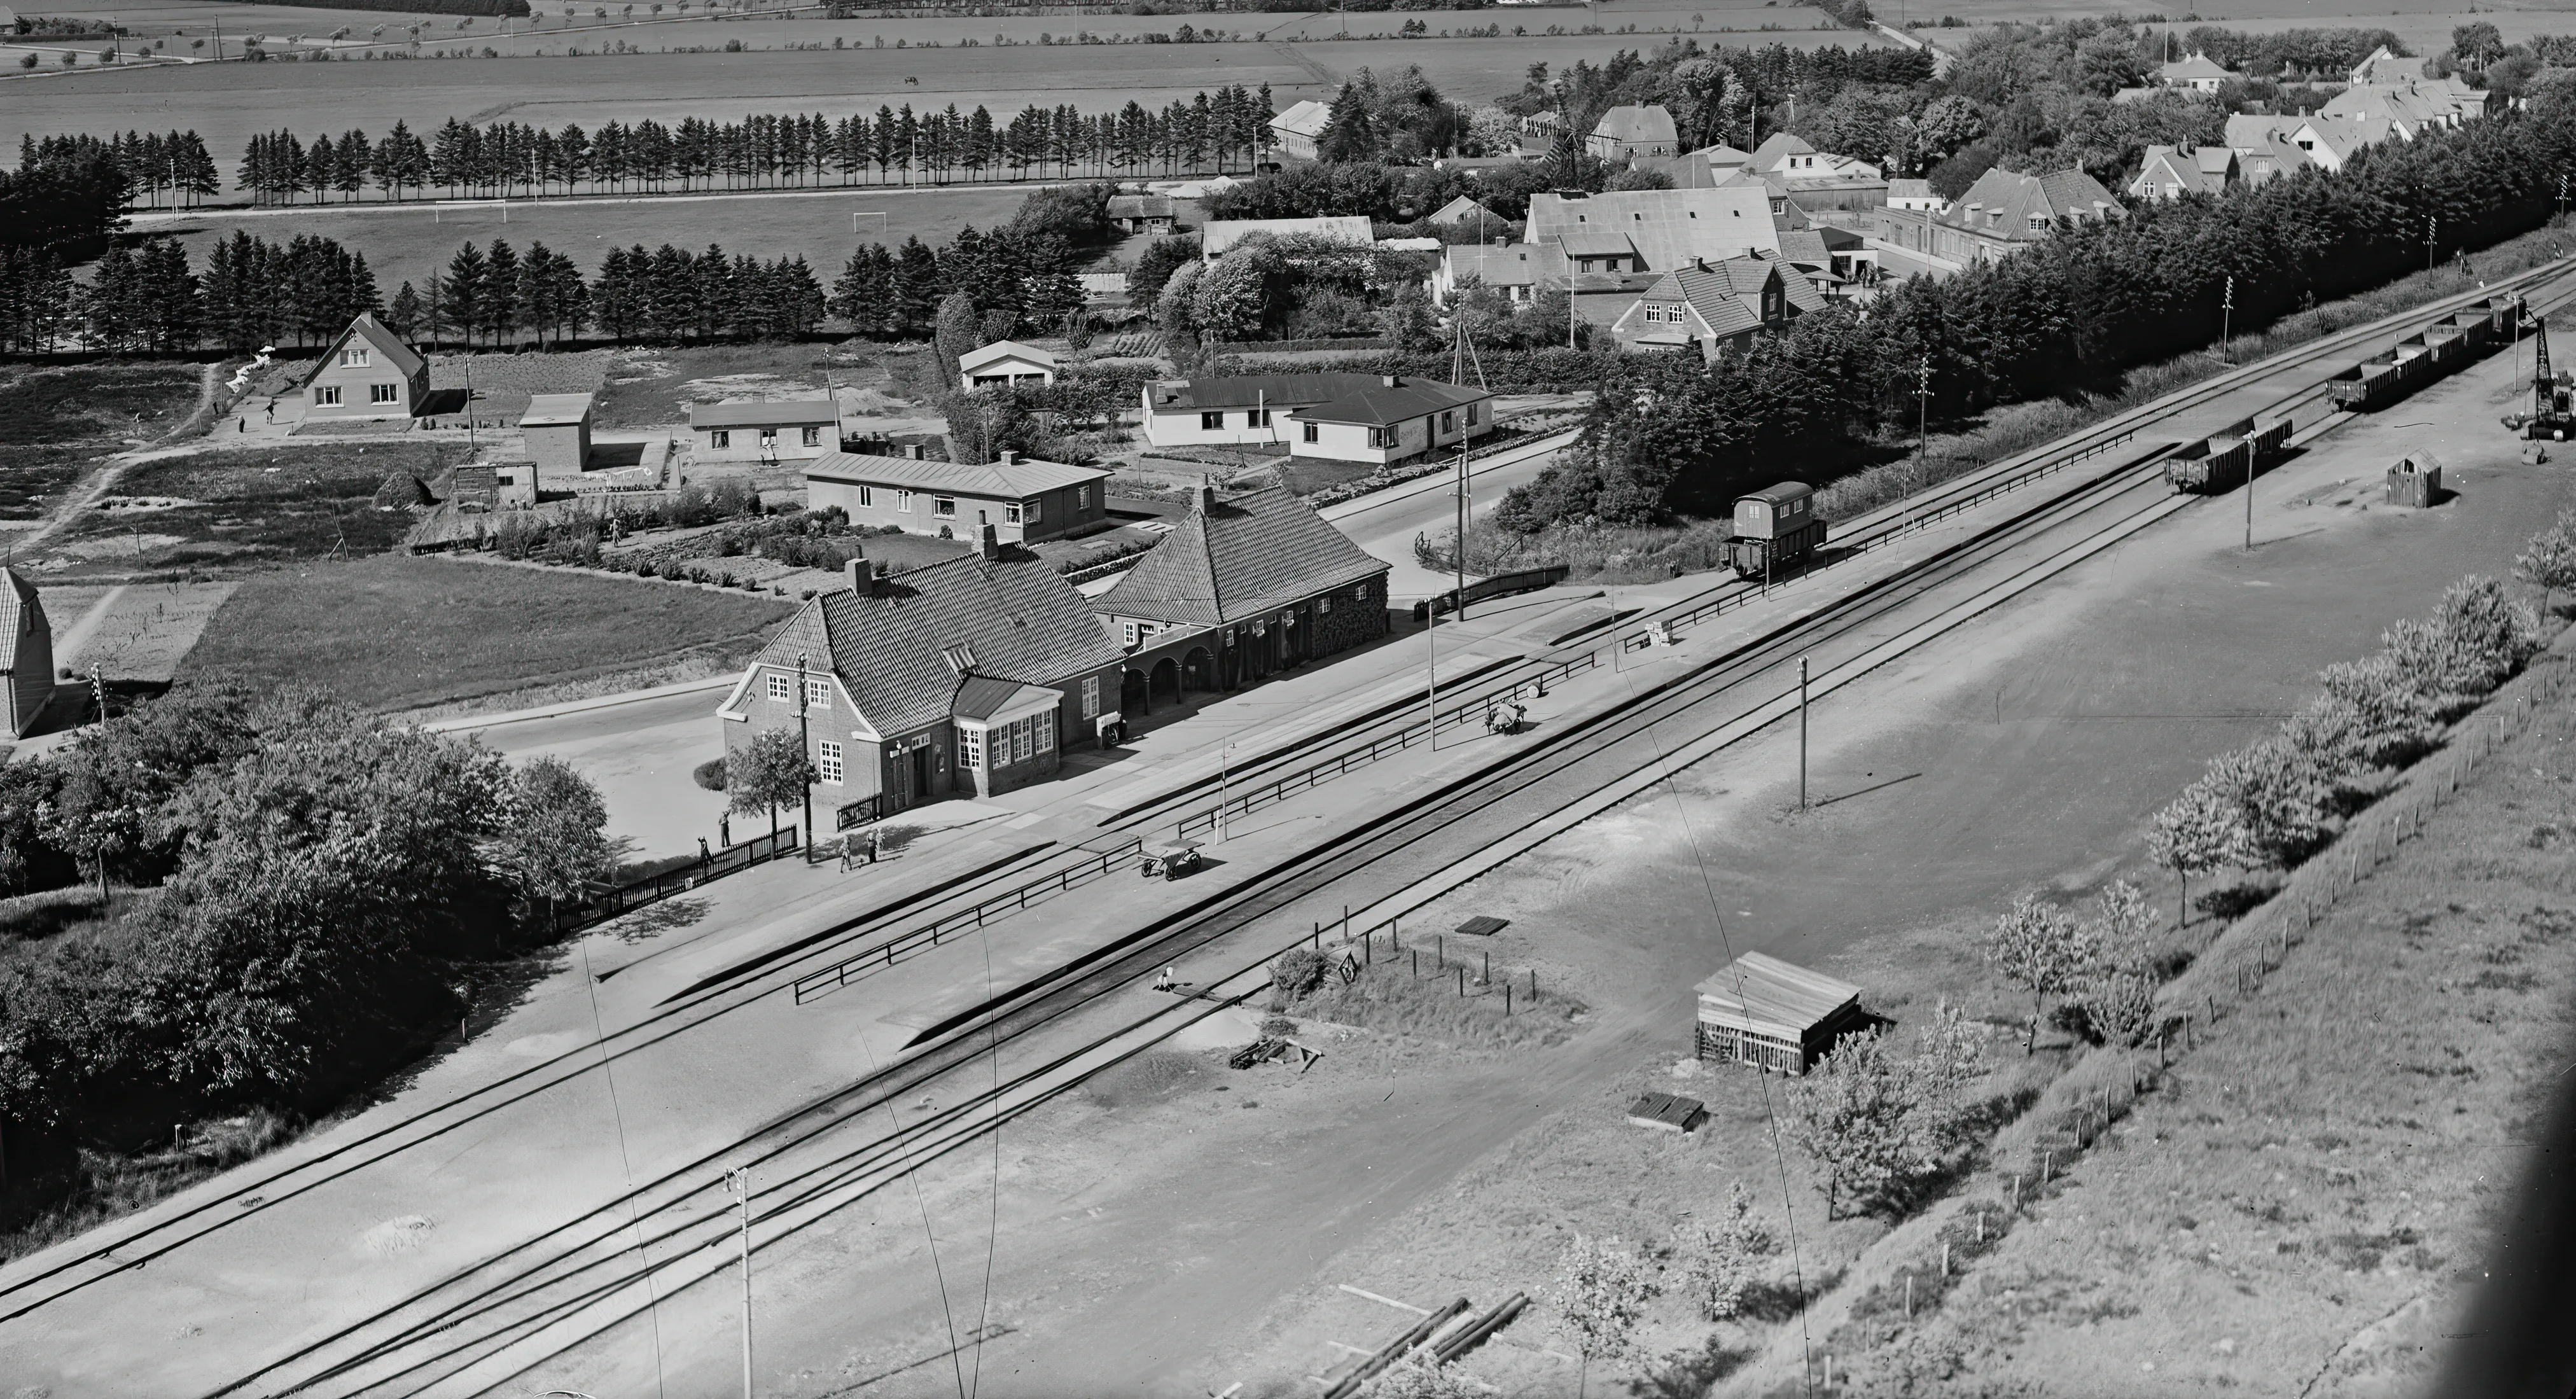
(266, 505)
(56, 422)
(397, 632)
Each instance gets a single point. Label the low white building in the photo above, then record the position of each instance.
(1296, 130)
(795, 429)
(1007, 364)
(1338, 417)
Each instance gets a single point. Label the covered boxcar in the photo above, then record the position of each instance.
(1774, 527)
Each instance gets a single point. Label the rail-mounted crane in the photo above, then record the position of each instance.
(2552, 412)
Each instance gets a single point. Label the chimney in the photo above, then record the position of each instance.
(1010, 458)
(857, 571)
(1204, 500)
(913, 451)
(991, 545)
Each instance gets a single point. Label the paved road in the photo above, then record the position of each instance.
(1386, 522)
(639, 755)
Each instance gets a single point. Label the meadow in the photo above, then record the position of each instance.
(396, 632)
(248, 507)
(56, 422)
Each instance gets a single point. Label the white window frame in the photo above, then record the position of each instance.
(818, 690)
(326, 395)
(1035, 510)
(1042, 733)
(384, 393)
(811, 437)
(1082, 497)
(970, 747)
(769, 437)
(1212, 422)
(1023, 731)
(1471, 408)
(1314, 432)
(719, 438)
(903, 501)
(781, 688)
(1091, 697)
(867, 495)
(944, 506)
(1010, 512)
(827, 762)
(354, 357)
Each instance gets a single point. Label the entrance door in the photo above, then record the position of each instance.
(921, 770)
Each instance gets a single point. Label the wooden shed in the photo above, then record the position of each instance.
(1761, 1010)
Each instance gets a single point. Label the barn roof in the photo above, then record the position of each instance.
(1761, 993)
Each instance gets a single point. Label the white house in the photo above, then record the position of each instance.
(1296, 130)
(1914, 195)
(1341, 417)
(1006, 364)
(795, 429)
(2195, 73)
(367, 372)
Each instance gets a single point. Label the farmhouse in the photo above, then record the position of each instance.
(368, 372)
(1296, 130)
(1709, 308)
(1761, 1010)
(1653, 230)
(1141, 213)
(792, 429)
(965, 678)
(1007, 364)
(1018, 499)
(1624, 133)
(1221, 234)
(1338, 417)
(30, 639)
(1237, 590)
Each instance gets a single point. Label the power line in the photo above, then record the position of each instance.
(599, 1036)
(903, 1148)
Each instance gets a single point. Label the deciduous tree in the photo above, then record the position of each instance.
(2036, 947)
(769, 772)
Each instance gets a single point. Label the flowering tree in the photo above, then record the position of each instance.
(1602, 1288)
(1721, 1256)
(2036, 947)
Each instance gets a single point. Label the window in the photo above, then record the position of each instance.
(1258, 417)
(827, 761)
(903, 501)
(818, 690)
(944, 506)
(769, 437)
(1010, 512)
(1034, 511)
(867, 495)
(1324, 607)
(1471, 408)
(781, 689)
(355, 356)
(970, 748)
(1378, 437)
(1132, 636)
(1091, 697)
(1021, 734)
(1314, 432)
(719, 438)
(327, 395)
(1082, 497)
(813, 437)
(1448, 421)
(1042, 731)
(383, 393)
(1211, 422)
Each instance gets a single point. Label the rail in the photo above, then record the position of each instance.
(817, 984)
(626, 898)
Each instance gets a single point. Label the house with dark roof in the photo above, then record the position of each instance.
(1239, 589)
(1338, 417)
(1141, 213)
(764, 430)
(1021, 499)
(2002, 213)
(30, 639)
(1626, 132)
(964, 678)
(1709, 308)
(1653, 230)
(2266, 146)
(2170, 172)
(368, 372)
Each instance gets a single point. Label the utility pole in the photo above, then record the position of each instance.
(739, 1182)
(1802, 733)
(1224, 784)
(2432, 223)
(2226, 315)
(2562, 198)
(805, 751)
(1922, 403)
(1458, 556)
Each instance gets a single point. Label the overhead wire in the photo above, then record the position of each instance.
(626, 1161)
(903, 1150)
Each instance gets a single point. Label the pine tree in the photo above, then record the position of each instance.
(501, 293)
(461, 293)
(405, 314)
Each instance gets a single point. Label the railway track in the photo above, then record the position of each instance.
(401, 1329)
(493, 1322)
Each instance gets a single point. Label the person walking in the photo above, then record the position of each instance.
(241, 424)
(724, 830)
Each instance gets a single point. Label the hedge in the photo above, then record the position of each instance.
(514, 9)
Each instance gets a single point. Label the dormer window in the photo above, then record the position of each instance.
(960, 657)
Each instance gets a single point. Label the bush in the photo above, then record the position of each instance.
(1298, 972)
(709, 774)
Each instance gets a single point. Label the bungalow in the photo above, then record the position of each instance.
(1019, 499)
(1338, 417)
(1709, 308)
(2170, 172)
(1141, 213)
(1007, 364)
(368, 372)
(770, 431)
(1626, 132)
(965, 678)
(1296, 130)
(2195, 73)
(1238, 589)
(30, 639)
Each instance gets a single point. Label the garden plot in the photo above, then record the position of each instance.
(237, 507)
(505, 382)
(135, 633)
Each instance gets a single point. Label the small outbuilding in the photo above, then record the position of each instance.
(1007, 364)
(557, 430)
(1761, 1010)
(1141, 213)
(1667, 1112)
(30, 639)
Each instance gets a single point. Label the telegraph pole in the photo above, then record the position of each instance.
(1459, 554)
(2562, 198)
(2432, 223)
(739, 1182)
(805, 751)
(1922, 402)
(2226, 314)
(1802, 733)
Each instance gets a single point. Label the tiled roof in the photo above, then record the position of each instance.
(1255, 391)
(1668, 227)
(1637, 126)
(1026, 477)
(1512, 265)
(1728, 295)
(2002, 204)
(401, 357)
(973, 360)
(1251, 554)
(1382, 403)
(555, 409)
(763, 413)
(1016, 617)
(1221, 234)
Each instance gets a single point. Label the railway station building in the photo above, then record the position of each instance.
(1239, 590)
(965, 678)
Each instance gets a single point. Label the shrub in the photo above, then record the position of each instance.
(709, 774)
(1298, 972)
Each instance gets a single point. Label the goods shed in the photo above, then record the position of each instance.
(1761, 1010)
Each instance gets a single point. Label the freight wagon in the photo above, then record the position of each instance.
(2227, 460)
(1774, 528)
(2417, 360)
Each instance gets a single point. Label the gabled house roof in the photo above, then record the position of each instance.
(2003, 205)
(1815, 247)
(1728, 295)
(1637, 126)
(2196, 67)
(1011, 479)
(1009, 619)
(1238, 559)
(1779, 146)
(1766, 995)
(1392, 400)
(1667, 227)
(1512, 265)
(1140, 206)
(1464, 210)
(17, 599)
(388, 346)
(1306, 118)
(763, 413)
(973, 360)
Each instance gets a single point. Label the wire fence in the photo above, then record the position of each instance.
(862, 965)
